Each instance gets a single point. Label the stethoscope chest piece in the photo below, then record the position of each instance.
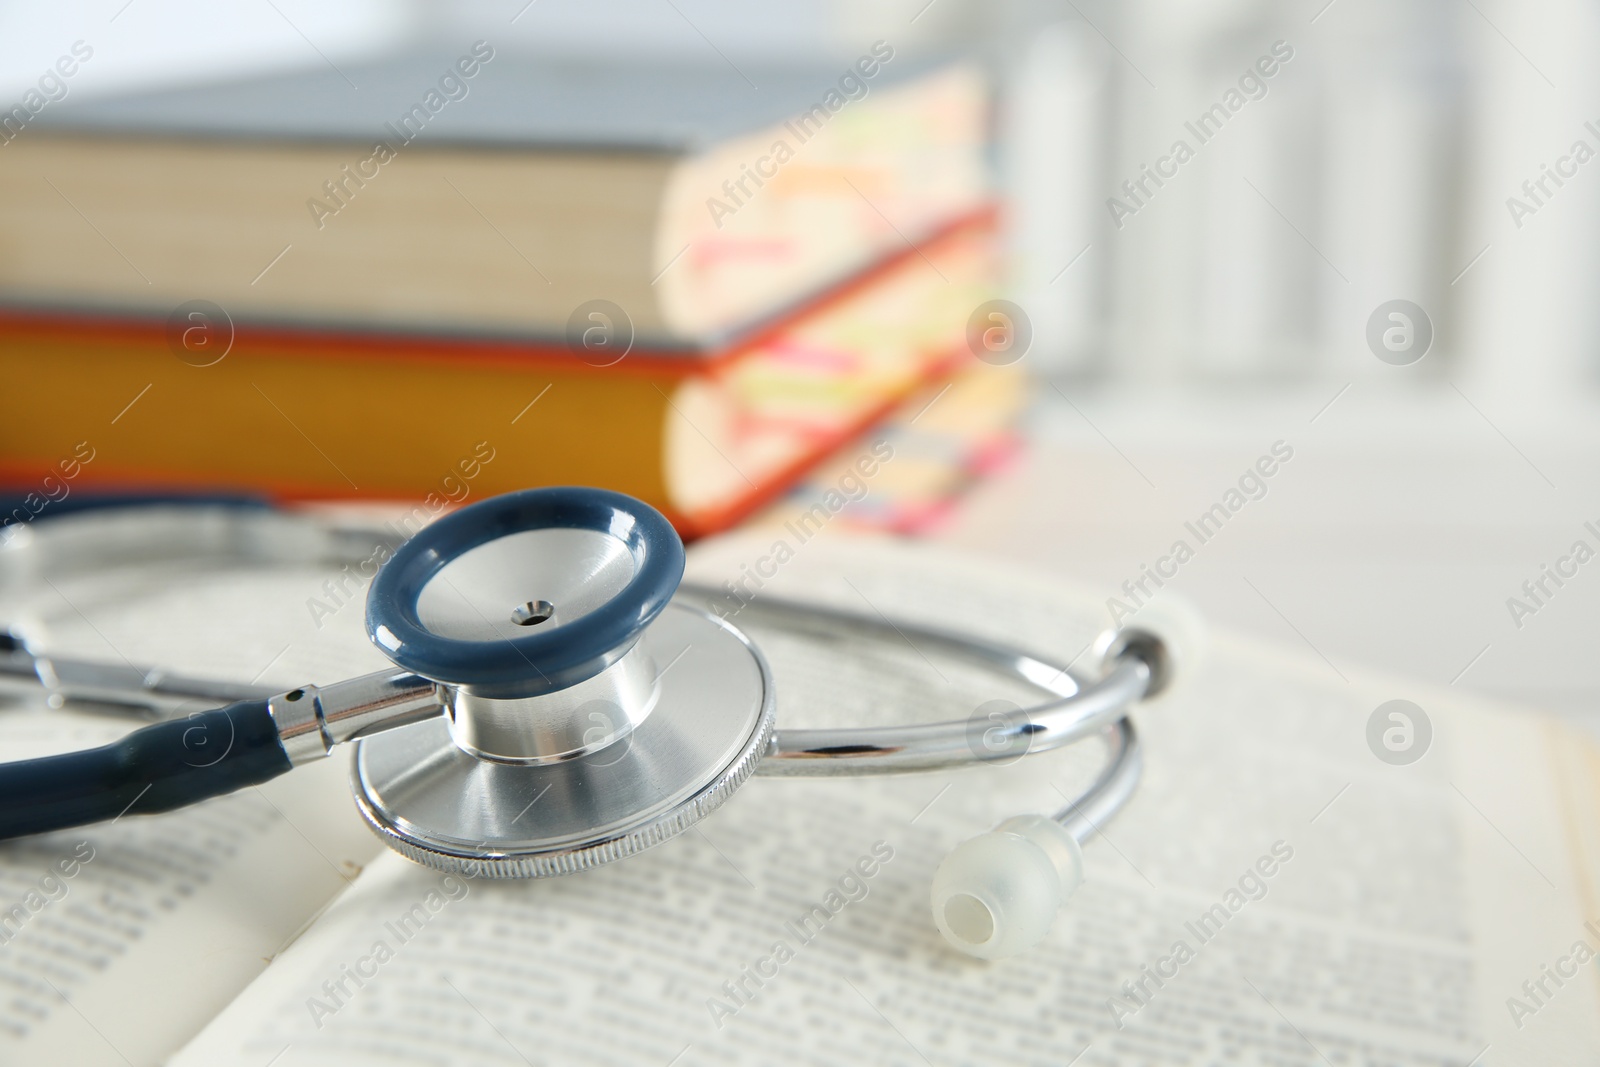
(588, 716)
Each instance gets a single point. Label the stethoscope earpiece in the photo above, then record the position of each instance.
(997, 894)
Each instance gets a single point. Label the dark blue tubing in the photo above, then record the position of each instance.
(157, 768)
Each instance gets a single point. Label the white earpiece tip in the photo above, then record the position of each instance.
(997, 894)
(1169, 633)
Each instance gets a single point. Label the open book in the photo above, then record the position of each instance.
(1275, 893)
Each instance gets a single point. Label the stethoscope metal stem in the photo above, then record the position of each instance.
(312, 719)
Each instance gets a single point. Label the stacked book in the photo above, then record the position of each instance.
(446, 276)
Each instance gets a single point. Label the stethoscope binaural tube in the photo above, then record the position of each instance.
(1079, 709)
(538, 642)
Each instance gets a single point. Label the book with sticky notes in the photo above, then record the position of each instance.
(648, 277)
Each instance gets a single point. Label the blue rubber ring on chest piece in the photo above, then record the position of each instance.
(541, 661)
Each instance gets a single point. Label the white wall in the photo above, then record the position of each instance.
(158, 42)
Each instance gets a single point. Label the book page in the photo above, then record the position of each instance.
(1274, 894)
(119, 941)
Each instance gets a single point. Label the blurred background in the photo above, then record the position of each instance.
(1184, 323)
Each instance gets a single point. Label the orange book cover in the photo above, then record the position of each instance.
(299, 415)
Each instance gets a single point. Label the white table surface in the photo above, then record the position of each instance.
(1392, 539)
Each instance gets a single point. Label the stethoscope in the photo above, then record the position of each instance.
(558, 701)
